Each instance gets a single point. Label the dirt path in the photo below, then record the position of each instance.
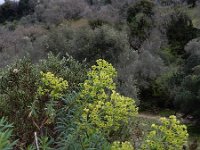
(149, 116)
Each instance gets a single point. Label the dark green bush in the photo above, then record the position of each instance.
(66, 67)
(17, 92)
(192, 2)
(140, 21)
(103, 42)
(142, 6)
(179, 32)
(25, 7)
(187, 97)
(8, 11)
(19, 100)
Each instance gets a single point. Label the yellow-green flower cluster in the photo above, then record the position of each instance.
(170, 135)
(100, 77)
(122, 146)
(105, 109)
(52, 85)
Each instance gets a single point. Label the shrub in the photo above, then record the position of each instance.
(23, 41)
(192, 2)
(179, 32)
(66, 67)
(193, 59)
(140, 21)
(51, 86)
(105, 110)
(26, 7)
(17, 92)
(169, 135)
(31, 100)
(187, 96)
(93, 117)
(142, 6)
(8, 11)
(163, 86)
(55, 12)
(104, 42)
(49, 91)
(97, 114)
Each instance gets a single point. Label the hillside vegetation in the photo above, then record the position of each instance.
(98, 74)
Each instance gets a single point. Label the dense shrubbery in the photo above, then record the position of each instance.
(12, 10)
(93, 117)
(105, 109)
(179, 37)
(103, 42)
(192, 2)
(140, 21)
(30, 99)
(140, 45)
(150, 43)
(169, 135)
(18, 89)
(66, 67)
(187, 96)
(8, 11)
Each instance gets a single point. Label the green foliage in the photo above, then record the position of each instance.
(192, 2)
(121, 146)
(96, 114)
(8, 11)
(179, 32)
(93, 117)
(6, 135)
(104, 42)
(44, 143)
(105, 109)
(17, 92)
(142, 6)
(71, 136)
(187, 97)
(139, 18)
(52, 86)
(169, 135)
(31, 100)
(68, 68)
(168, 56)
(96, 23)
(191, 64)
(25, 7)
(50, 90)
(28, 100)
(12, 10)
(86, 111)
(163, 86)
